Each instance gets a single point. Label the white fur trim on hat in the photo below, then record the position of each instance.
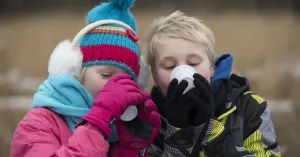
(66, 59)
(143, 77)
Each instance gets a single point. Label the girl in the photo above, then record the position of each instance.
(92, 81)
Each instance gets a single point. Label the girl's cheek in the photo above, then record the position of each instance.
(99, 85)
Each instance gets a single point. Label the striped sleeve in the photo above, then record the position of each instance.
(213, 130)
(262, 142)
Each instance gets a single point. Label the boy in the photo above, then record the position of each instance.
(220, 116)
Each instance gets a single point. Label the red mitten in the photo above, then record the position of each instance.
(118, 93)
(137, 135)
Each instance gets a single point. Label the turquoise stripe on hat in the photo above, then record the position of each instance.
(111, 39)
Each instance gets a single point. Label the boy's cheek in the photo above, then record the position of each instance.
(204, 71)
(163, 80)
(206, 75)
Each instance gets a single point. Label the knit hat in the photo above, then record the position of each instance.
(108, 39)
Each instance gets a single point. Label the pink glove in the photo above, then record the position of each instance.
(137, 135)
(118, 93)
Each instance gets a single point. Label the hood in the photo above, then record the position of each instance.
(223, 67)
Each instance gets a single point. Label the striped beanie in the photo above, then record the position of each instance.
(108, 39)
(112, 44)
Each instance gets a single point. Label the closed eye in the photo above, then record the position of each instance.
(194, 64)
(106, 75)
(169, 67)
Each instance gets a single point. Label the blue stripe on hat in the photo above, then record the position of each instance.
(112, 39)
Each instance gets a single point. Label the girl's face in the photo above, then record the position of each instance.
(95, 77)
(172, 52)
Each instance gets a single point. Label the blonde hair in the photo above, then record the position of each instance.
(179, 25)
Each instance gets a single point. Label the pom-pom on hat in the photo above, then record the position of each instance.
(116, 10)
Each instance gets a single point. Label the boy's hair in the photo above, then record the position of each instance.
(179, 25)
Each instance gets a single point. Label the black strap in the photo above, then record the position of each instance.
(198, 147)
(273, 146)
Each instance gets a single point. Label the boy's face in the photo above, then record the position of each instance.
(95, 77)
(171, 52)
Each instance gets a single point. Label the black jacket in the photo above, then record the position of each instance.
(242, 125)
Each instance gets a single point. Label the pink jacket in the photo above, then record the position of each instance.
(43, 133)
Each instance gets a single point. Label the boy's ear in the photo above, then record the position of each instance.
(212, 71)
(154, 76)
(143, 77)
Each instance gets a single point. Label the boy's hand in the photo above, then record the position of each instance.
(179, 109)
(202, 98)
(180, 112)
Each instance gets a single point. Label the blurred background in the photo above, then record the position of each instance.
(263, 36)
